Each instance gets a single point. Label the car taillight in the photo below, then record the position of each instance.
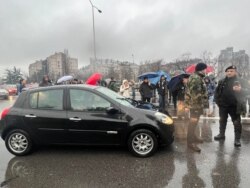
(5, 112)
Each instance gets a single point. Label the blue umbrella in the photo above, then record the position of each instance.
(157, 79)
(148, 74)
(167, 76)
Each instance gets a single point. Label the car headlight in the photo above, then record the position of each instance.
(164, 118)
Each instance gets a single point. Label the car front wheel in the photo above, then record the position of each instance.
(18, 142)
(142, 143)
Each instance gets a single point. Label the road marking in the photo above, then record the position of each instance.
(215, 118)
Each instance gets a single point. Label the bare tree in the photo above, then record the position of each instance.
(185, 57)
(206, 57)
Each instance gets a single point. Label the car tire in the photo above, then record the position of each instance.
(142, 143)
(18, 142)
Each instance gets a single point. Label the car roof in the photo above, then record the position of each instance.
(21, 98)
(62, 87)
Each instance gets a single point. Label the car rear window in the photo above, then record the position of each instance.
(50, 99)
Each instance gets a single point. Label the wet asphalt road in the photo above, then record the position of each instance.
(219, 164)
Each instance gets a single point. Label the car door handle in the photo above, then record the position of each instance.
(112, 132)
(75, 119)
(30, 116)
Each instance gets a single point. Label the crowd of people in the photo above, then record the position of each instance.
(195, 95)
(192, 96)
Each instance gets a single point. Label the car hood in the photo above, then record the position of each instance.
(137, 113)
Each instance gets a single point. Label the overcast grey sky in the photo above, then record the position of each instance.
(31, 30)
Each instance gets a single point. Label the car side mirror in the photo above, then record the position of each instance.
(112, 110)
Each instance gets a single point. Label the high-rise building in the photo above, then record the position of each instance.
(240, 59)
(56, 65)
(113, 68)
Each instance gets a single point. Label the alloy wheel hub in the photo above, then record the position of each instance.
(18, 143)
(143, 143)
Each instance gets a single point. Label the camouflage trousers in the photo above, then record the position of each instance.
(192, 124)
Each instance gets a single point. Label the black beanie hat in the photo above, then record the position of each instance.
(200, 67)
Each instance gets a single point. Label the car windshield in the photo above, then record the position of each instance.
(115, 96)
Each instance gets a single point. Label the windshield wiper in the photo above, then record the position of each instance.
(125, 99)
(131, 101)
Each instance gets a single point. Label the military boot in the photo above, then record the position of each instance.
(194, 147)
(220, 136)
(237, 140)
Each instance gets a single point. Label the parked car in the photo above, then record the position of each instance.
(82, 114)
(4, 94)
(12, 89)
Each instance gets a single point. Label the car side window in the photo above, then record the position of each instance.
(33, 100)
(51, 99)
(81, 100)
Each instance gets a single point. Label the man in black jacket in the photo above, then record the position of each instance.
(146, 90)
(229, 96)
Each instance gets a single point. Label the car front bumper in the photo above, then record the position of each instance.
(4, 96)
(166, 134)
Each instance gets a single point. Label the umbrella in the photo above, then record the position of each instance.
(178, 72)
(148, 74)
(92, 80)
(160, 73)
(174, 82)
(191, 69)
(64, 79)
(157, 79)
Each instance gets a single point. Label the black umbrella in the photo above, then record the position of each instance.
(174, 82)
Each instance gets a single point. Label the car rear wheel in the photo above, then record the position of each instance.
(18, 142)
(142, 143)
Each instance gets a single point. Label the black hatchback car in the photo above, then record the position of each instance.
(82, 114)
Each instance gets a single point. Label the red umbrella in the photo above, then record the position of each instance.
(92, 80)
(191, 69)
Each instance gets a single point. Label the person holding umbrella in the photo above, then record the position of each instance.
(162, 91)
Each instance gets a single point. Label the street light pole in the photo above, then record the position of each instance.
(93, 18)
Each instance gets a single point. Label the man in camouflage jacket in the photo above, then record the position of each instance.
(196, 99)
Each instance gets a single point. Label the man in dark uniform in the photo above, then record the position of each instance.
(230, 96)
